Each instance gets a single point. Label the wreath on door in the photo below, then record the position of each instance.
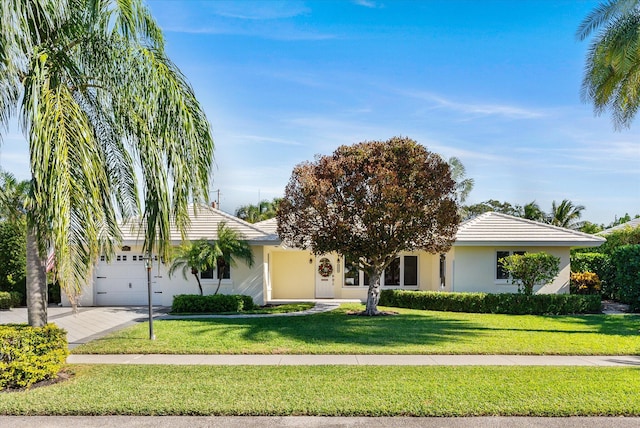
(325, 268)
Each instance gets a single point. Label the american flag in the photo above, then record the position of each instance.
(51, 260)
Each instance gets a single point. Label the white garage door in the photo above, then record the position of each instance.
(123, 282)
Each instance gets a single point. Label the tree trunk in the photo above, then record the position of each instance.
(36, 283)
(373, 295)
(195, 273)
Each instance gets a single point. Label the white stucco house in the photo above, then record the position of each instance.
(288, 273)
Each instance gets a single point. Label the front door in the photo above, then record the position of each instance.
(325, 272)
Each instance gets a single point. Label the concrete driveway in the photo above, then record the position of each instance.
(89, 323)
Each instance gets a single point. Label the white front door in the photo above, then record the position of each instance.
(325, 272)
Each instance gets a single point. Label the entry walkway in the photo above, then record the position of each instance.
(360, 360)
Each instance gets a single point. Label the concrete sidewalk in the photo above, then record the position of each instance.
(360, 360)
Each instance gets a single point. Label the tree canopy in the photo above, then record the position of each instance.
(96, 97)
(370, 202)
(612, 69)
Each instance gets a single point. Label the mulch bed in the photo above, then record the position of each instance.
(63, 376)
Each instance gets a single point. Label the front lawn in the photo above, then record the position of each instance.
(334, 391)
(410, 332)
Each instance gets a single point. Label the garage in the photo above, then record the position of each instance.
(123, 282)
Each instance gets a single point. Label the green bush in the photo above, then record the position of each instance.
(10, 299)
(5, 300)
(600, 264)
(506, 303)
(30, 354)
(626, 260)
(194, 303)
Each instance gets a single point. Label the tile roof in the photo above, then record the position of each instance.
(269, 226)
(493, 228)
(632, 224)
(204, 224)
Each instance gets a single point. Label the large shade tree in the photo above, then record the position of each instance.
(612, 70)
(95, 94)
(370, 202)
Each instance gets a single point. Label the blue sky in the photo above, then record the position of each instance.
(495, 83)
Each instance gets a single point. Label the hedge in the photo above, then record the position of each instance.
(194, 303)
(30, 354)
(10, 299)
(505, 303)
(626, 260)
(599, 264)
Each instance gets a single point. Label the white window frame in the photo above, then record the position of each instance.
(361, 283)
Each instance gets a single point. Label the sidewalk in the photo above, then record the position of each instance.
(360, 360)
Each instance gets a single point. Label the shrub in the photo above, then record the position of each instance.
(585, 283)
(193, 303)
(30, 354)
(600, 264)
(506, 303)
(530, 269)
(626, 260)
(5, 300)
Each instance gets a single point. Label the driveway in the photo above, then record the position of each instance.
(89, 323)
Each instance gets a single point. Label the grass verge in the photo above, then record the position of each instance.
(410, 332)
(334, 391)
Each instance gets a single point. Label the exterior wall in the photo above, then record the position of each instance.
(292, 276)
(125, 283)
(475, 270)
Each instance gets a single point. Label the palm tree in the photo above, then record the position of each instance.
(230, 246)
(13, 197)
(464, 185)
(612, 70)
(255, 213)
(532, 211)
(566, 214)
(197, 257)
(95, 94)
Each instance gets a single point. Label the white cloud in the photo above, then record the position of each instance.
(475, 109)
(368, 3)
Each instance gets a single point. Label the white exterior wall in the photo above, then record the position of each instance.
(475, 270)
(125, 283)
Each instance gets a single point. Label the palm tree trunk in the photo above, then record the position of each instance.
(198, 281)
(36, 283)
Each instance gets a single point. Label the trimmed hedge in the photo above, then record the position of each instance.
(626, 260)
(194, 303)
(10, 299)
(601, 265)
(506, 303)
(30, 354)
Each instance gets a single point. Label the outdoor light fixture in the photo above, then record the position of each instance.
(148, 264)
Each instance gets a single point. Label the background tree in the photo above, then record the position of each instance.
(196, 257)
(93, 90)
(530, 269)
(532, 211)
(230, 247)
(464, 185)
(13, 227)
(566, 214)
(370, 202)
(492, 205)
(612, 70)
(255, 213)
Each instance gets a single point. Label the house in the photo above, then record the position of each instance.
(280, 272)
(632, 224)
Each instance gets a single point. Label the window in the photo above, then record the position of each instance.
(402, 272)
(443, 270)
(207, 274)
(501, 273)
(212, 273)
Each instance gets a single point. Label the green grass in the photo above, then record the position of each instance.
(410, 332)
(276, 309)
(334, 390)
